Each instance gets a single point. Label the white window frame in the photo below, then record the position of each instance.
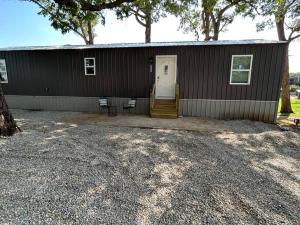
(249, 70)
(4, 82)
(85, 66)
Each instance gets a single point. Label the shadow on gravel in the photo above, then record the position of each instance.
(235, 182)
(59, 173)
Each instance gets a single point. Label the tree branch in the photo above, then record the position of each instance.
(293, 38)
(222, 11)
(139, 21)
(54, 16)
(291, 3)
(293, 30)
(136, 12)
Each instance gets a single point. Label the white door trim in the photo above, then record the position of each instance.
(156, 68)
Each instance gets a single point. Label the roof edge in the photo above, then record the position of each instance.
(143, 45)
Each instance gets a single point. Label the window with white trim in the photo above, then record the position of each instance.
(3, 72)
(241, 66)
(89, 66)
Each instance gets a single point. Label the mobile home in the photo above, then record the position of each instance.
(217, 79)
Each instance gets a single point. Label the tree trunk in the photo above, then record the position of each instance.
(215, 25)
(285, 95)
(91, 34)
(216, 31)
(148, 31)
(280, 30)
(206, 26)
(8, 125)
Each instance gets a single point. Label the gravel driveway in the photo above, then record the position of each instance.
(63, 173)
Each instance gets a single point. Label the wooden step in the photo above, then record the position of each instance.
(165, 102)
(164, 109)
(164, 115)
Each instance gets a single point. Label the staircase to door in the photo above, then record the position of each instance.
(161, 108)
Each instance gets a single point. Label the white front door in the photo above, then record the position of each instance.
(165, 76)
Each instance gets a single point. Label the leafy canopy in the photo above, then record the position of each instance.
(150, 10)
(66, 18)
(285, 13)
(210, 17)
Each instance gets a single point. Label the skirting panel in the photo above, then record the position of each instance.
(207, 108)
(230, 109)
(68, 103)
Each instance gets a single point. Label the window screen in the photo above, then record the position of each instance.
(241, 69)
(89, 66)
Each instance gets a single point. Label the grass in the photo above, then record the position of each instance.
(295, 106)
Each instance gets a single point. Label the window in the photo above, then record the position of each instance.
(241, 66)
(89, 66)
(166, 69)
(3, 72)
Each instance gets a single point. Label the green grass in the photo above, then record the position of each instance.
(295, 107)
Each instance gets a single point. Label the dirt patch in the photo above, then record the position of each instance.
(142, 121)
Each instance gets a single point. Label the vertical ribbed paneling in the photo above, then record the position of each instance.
(229, 109)
(66, 103)
(217, 109)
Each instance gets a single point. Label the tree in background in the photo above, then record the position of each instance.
(147, 12)
(210, 17)
(285, 15)
(297, 74)
(66, 19)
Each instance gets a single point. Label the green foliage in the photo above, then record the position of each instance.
(147, 12)
(294, 87)
(66, 18)
(150, 10)
(286, 12)
(210, 17)
(191, 22)
(269, 24)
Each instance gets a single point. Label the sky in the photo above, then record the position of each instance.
(22, 26)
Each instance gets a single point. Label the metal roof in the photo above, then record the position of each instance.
(142, 45)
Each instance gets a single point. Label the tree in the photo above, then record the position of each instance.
(66, 19)
(285, 15)
(147, 12)
(210, 17)
(8, 125)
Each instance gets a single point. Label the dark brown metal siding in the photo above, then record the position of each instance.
(203, 72)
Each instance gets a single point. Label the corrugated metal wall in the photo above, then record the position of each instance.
(206, 108)
(67, 103)
(203, 72)
(230, 109)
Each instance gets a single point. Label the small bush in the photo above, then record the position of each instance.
(294, 87)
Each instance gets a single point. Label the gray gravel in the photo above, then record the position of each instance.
(63, 173)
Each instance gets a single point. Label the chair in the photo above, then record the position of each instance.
(131, 104)
(111, 109)
(103, 102)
